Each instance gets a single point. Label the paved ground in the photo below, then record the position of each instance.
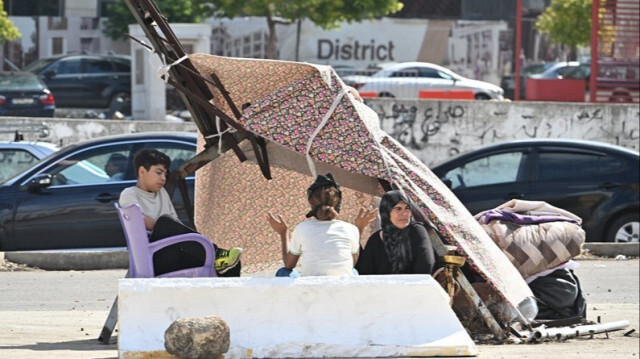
(59, 314)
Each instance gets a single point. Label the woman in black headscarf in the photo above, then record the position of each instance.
(402, 246)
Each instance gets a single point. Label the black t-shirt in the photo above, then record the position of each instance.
(373, 259)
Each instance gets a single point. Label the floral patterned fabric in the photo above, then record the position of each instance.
(286, 103)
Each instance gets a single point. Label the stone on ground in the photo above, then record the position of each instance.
(196, 338)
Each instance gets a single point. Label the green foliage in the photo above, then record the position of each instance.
(176, 11)
(8, 31)
(567, 22)
(327, 14)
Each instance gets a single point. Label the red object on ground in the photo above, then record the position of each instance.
(446, 95)
(565, 90)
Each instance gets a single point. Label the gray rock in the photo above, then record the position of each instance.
(197, 338)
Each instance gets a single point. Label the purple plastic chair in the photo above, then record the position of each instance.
(141, 257)
(141, 251)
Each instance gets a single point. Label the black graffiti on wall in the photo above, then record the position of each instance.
(404, 129)
(416, 125)
(435, 118)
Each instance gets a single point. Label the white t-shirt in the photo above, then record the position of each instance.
(153, 204)
(326, 246)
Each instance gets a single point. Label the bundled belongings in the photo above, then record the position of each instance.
(534, 235)
(540, 240)
(559, 294)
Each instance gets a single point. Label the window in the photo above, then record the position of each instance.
(14, 161)
(95, 66)
(553, 165)
(430, 73)
(408, 72)
(92, 166)
(494, 169)
(122, 66)
(178, 152)
(66, 67)
(57, 45)
(57, 23)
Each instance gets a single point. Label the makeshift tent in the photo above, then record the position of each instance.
(294, 120)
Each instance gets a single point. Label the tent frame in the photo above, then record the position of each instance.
(196, 95)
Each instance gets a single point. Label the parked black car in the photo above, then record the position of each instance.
(23, 94)
(67, 199)
(595, 181)
(86, 81)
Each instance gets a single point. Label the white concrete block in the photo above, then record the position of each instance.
(365, 316)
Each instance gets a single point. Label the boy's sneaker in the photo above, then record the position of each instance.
(227, 259)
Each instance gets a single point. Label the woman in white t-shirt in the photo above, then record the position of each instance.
(329, 246)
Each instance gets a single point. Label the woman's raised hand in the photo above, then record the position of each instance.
(277, 223)
(364, 218)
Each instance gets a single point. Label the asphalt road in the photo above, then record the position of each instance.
(59, 314)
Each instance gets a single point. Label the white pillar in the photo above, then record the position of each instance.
(148, 98)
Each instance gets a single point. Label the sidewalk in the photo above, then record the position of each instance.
(117, 258)
(59, 314)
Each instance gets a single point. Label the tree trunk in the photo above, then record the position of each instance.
(573, 53)
(271, 45)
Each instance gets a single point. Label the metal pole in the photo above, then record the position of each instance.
(543, 333)
(595, 26)
(516, 96)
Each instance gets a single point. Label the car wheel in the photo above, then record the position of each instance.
(385, 94)
(121, 101)
(483, 96)
(625, 229)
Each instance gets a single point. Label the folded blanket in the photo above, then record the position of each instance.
(535, 236)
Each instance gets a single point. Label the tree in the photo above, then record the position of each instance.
(567, 22)
(8, 31)
(176, 11)
(327, 14)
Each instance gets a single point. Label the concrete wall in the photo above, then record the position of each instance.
(65, 131)
(433, 130)
(365, 316)
(437, 130)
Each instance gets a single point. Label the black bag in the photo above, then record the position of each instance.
(559, 295)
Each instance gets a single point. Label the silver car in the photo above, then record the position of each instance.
(17, 156)
(413, 80)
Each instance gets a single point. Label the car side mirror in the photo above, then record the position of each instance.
(49, 74)
(39, 182)
(447, 182)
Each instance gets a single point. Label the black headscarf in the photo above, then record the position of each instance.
(397, 242)
(323, 181)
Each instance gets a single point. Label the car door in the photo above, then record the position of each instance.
(98, 80)
(402, 83)
(77, 210)
(490, 179)
(434, 79)
(64, 80)
(573, 179)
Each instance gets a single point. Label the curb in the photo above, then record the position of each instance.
(118, 258)
(73, 259)
(605, 249)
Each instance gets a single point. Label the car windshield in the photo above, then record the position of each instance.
(38, 65)
(19, 82)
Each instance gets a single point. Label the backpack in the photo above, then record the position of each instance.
(559, 295)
